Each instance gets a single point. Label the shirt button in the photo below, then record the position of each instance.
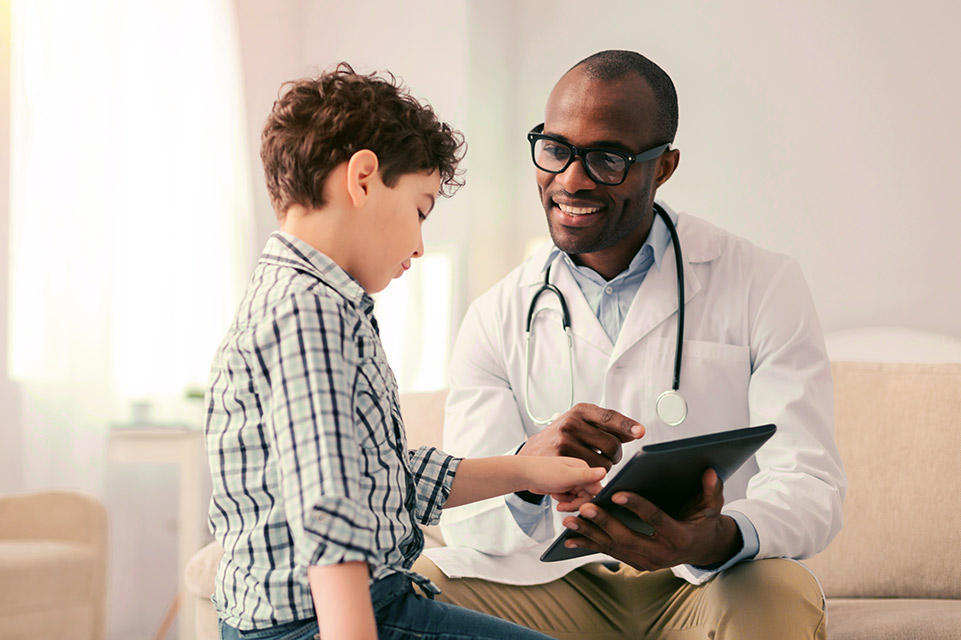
(609, 290)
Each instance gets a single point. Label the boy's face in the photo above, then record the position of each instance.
(392, 229)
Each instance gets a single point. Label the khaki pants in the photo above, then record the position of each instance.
(774, 598)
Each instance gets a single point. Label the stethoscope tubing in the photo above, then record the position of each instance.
(679, 263)
(672, 399)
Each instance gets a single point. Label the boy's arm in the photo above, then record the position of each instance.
(342, 600)
(569, 480)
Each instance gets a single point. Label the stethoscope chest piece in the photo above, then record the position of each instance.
(671, 408)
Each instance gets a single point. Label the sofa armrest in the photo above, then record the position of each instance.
(54, 515)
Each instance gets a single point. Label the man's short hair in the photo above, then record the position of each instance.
(610, 65)
(318, 123)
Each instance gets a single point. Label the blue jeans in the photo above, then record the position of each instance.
(402, 614)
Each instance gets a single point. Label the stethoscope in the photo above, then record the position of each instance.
(670, 406)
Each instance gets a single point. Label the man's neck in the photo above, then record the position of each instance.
(613, 260)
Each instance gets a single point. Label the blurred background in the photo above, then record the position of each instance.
(132, 207)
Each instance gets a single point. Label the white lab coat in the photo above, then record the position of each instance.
(753, 354)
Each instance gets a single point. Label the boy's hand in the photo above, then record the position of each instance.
(571, 502)
(568, 480)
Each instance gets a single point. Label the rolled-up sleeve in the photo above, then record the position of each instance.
(433, 476)
(308, 350)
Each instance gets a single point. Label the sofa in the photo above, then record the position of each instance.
(894, 571)
(53, 566)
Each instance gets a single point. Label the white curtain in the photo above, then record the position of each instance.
(131, 217)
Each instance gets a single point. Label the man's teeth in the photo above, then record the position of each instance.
(577, 211)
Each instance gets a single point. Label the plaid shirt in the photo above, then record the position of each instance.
(306, 443)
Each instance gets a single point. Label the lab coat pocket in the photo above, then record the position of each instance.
(714, 382)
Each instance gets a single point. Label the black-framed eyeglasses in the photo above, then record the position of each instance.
(604, 166)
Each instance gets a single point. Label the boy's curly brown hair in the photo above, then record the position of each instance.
(318, 123)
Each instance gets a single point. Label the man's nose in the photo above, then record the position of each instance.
(574, 178)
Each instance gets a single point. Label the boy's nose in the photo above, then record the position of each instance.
(419, 251)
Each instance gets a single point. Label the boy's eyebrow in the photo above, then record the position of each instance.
(433, 201)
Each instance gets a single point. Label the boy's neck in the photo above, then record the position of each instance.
(324, 230)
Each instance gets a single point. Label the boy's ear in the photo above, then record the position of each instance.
(361, 171)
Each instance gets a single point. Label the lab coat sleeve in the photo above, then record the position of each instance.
(482, 419)
(794, 501)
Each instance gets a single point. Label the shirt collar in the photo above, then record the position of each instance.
(658, 239)
(285, 249)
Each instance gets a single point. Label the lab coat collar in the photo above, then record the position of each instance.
(700, 240)
(656, 299)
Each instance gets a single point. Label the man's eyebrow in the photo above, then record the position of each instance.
(597, 144)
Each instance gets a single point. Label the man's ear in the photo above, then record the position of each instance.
(361, 171)
(666, 165)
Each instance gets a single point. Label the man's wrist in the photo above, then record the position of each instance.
(730, 543)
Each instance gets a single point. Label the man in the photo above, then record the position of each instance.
(753, 354)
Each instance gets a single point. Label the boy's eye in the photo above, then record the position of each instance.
(421, 215)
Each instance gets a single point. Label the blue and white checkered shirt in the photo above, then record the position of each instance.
(306, 443)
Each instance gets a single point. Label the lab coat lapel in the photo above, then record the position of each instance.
(655, 301)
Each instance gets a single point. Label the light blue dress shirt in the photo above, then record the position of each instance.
(610, 301)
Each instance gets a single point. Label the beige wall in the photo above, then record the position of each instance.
(827, 131)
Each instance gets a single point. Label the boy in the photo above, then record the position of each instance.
(314, 493)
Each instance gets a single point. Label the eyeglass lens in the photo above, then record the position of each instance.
(554, 156)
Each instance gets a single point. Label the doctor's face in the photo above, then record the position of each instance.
(603, 226)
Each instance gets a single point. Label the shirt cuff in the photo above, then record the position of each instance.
(700, 575)
(433, 472)
(337, 530)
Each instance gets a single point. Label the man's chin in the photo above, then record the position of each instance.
(569, 246)
(568, 242)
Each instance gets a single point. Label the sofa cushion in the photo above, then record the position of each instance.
(895, 619)
(43, 575)
(898, 429)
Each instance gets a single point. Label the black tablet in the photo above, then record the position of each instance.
(669, 475)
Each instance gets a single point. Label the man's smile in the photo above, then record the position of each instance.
(573, 210)
(575, 213)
